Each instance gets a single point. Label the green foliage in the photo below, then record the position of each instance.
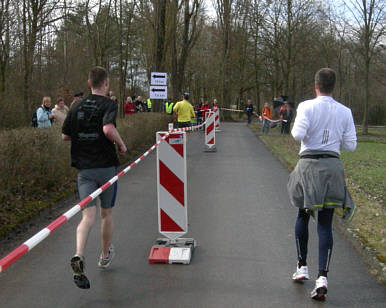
(35, 167)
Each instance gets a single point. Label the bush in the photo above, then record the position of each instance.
(35, 165)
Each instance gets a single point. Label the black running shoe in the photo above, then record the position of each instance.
(80, 279)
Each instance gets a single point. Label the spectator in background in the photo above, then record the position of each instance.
(114, 98)
(266, 115)
(129, 106)
(77, 97)
(204, 108)
(198, 111)
(148, 104)
(44, 114)
(249, 110)
(201, 102)
(286, 115)
(169, 106)
(214, 105)
(139, 105)
(60, 111)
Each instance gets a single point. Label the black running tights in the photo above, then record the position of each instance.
(325, 237)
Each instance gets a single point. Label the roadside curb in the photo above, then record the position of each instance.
(377, 268)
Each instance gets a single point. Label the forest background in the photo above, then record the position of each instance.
(228, 49)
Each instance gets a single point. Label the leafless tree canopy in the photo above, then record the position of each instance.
(231, 50)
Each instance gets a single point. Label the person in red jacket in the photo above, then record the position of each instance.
(266, 115)
(204, 107)
(129, 106)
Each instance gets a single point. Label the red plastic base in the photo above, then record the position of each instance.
(159, 255)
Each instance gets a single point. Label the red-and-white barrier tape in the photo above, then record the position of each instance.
(185, 129)
(260, 117)
(44, 233)
(270, 120)
(40, 236)
(234, 110)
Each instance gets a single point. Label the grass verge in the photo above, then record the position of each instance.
(365, 173)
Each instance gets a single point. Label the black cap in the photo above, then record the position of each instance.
(80, 94)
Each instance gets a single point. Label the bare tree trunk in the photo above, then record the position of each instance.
(4, 43)
(159, 51)
(369, 30)
(224, 15)
(288, 62)
(190, 33)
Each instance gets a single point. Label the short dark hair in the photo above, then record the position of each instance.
(97, 76)
(325, 80)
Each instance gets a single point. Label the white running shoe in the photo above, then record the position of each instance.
(320, 290)
(301, 274)
(105, 262)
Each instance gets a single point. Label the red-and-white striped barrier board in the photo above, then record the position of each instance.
(210, 136)
(171, 185)
(217, 119)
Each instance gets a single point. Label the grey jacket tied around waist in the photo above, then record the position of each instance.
(319, 183)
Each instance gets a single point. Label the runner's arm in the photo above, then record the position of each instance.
(112, 134)
(349, 140)
(66, 137)
(66, 128)
(299, 130)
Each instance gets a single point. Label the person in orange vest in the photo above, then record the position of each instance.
(266, 115)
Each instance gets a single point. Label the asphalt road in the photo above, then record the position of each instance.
(240, 216)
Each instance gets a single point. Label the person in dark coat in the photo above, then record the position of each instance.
(249, 110)
(286, 115)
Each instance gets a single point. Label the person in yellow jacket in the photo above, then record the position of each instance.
(184, 111)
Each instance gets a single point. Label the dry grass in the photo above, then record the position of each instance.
(35, 165)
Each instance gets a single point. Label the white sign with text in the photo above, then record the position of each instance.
(158, 92)
(157, 78)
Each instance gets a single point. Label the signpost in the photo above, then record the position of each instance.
(158, 86)
(158, 92)
(158, 79)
